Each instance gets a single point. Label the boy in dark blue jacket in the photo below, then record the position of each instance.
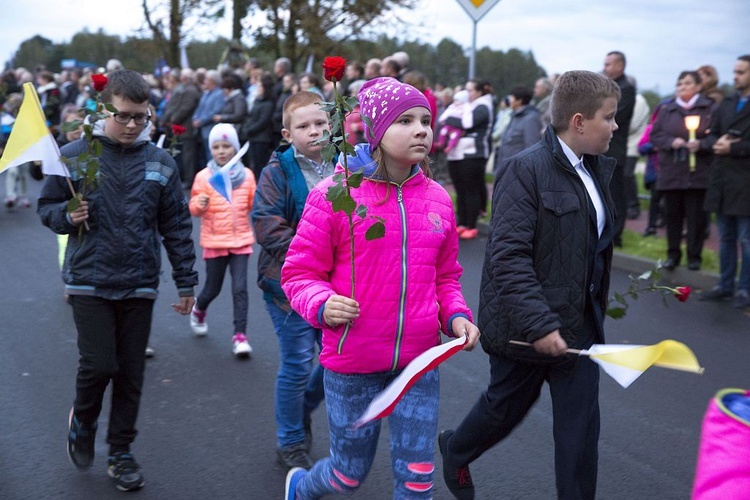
(112, 268)
(279, 200)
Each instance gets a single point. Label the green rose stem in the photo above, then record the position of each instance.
(339, 193)
(78, 197)
(90, 158)
(646, 282)
(341, 115)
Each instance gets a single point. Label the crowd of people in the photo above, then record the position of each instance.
(563, 154)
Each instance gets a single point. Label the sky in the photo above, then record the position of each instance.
(660, 38)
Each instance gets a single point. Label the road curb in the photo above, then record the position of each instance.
(681, 276)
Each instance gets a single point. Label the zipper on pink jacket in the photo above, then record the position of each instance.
(402, 295)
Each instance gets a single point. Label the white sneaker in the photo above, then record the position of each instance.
(240, 346)
(198, 322)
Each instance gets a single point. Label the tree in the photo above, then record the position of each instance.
(97, 48)
(505, 70)
(206, 54)
(35, 51)
(451, 64)
(240, 10)
(298, 28)
(166, 21)
(652, 98)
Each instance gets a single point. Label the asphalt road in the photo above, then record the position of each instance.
(206, 427)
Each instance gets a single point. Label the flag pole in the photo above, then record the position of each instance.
(660, 364)
(570, 351)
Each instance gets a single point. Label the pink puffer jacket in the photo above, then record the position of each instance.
(224, 224)
(723, 471)
(407, 283)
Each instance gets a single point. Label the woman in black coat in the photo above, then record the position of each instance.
(683, 186)
(235, 105)
(258, 126)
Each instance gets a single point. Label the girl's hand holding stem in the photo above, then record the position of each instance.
(339, 310)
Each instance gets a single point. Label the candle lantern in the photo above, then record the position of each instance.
(692, 122)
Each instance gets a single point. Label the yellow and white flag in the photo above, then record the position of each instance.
(31, 140)
(626, 362)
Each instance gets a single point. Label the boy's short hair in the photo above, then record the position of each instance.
(126, 84)
(579, 92)
(299, 100)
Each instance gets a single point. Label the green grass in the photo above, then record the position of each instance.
(655, 248)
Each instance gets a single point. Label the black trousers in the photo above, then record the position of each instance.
(654, 206)
(685, 206)
(112, 339)
(187, 157)
(630, 184)
(260, 153)
(216, 268)
(513, 389)
(617, 189)
(471, 190)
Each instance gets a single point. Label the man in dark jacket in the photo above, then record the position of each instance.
(614, 67)
(113, 266)
(179, 111)
(545, 282)
(729, 187)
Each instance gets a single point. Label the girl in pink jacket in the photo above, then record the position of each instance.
(407, 292)
(226, 235)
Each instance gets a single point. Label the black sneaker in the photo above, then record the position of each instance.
(125, 471)
(717, 294)
(457, 479)
(81, 439)
(294, 456)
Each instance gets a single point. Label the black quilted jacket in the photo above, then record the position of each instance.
(137, 207)
(535, 274)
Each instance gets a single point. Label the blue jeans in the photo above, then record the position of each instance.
(413, 427)
(734, 228)
(299, 387)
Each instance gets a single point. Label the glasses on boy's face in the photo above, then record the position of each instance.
(124, 118)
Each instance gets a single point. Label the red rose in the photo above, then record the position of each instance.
(682, 293)
(333, 68)
(178, 129)
(99, 81)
